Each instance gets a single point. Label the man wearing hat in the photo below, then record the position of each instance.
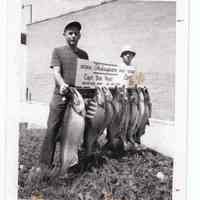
(62, 63)
(127, 54)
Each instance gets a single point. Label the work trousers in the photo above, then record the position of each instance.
(56, 113)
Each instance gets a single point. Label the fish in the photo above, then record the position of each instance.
(125, 116)
(117, 123)
(96, 125)
(142, 117)
(72, 131)
(147, 111)
(109, 110)
(134, 114)
(147, 101)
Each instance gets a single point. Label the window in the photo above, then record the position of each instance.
(23, 38)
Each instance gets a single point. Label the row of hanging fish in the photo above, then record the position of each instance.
(124, 114)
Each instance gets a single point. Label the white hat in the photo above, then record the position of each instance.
(127, 48)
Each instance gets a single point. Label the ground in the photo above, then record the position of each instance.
(143, 175)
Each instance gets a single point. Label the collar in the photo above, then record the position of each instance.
(75, 50)
(125, 65)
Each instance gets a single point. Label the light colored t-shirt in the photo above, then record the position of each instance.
(132, 66)
(128, 77)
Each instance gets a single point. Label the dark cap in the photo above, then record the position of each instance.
(73, 24)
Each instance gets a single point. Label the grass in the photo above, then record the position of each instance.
(133, 176)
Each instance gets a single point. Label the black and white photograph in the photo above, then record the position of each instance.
(97, 110)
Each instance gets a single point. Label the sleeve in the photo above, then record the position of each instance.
(83, 54)
(55, 60)
(86, 56)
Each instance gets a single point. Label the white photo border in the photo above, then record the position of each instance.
(10, 71)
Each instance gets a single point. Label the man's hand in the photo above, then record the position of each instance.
(63, 88)
(91, 109)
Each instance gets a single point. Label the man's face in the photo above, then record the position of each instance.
(72, 36)
(127, 57)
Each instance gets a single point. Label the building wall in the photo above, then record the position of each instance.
(48, 9)
(148, 26)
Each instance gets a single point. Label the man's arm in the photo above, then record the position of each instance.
(59, 79)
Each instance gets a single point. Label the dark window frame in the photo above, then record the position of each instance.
(23, 38)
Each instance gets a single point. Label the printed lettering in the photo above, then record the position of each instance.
(88, 77)
(98, 78)
(107, 78)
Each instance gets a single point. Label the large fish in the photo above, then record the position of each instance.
(147, 111)
(125, 117)
(133, 98)
(147, 101)
(116, 126)
(72, 131)
(144, 114)
(96, 125)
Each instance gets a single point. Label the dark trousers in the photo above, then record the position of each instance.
(56, 114)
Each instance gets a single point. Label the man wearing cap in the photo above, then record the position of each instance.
(62, 63)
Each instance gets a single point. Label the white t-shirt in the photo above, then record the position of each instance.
(125, 78)
(133, 67)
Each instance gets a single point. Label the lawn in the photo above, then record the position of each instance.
(143, 175)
